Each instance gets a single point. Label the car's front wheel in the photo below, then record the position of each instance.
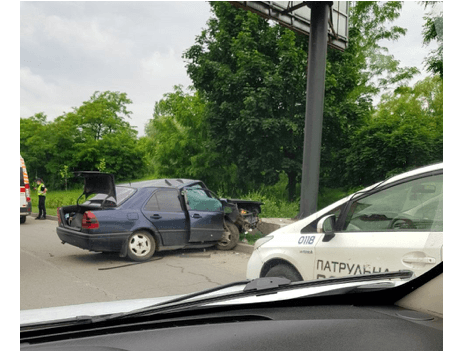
(230, 237)
(141, 246)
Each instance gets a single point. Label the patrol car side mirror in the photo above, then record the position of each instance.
(326, 226)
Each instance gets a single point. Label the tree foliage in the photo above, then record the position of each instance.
(81, 139)
(178, 141)
(252, 74)
(104, 114)
(405, 132)
(433, 32)
(354, 77)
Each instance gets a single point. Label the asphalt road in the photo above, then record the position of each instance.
(53, 274)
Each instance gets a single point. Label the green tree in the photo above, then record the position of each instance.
(81, 139)
(354, 77)
(370, 23)
(104, 113)
(433, 32)
(34, 145)
(405, 132)
(178, 141)
(253, 76)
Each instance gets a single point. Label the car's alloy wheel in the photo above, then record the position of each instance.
(230, 237)
(141, 246)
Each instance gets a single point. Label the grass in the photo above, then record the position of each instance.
(55, 199)
(250, 238)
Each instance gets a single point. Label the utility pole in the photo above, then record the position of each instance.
(317, 48)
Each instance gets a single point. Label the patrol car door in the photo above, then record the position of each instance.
(395, 227)
(205, 214)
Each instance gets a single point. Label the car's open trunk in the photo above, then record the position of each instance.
(71, 216)
(102, 184)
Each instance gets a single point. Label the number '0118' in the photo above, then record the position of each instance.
(306, 240)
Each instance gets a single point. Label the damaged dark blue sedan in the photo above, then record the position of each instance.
(137, 219)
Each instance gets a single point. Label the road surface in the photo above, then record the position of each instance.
(53, 274)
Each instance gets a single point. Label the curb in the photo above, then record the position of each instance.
(244, 248)
(266, 226)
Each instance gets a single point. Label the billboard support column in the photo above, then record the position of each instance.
(318, 41)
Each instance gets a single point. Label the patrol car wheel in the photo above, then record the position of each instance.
(230, 237)
(284, 271)
(141, 246)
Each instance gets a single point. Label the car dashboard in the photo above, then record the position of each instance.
(274, 328)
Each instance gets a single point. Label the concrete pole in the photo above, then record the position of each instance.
(318, 42)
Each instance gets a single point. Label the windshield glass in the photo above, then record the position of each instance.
(200, 115)
(416, 205)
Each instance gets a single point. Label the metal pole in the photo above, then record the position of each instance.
(317, 46)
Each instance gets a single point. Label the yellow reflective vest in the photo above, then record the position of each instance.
(41, 189)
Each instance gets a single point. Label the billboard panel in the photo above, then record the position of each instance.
(296, 16)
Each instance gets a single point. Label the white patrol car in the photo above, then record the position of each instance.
(393, 225)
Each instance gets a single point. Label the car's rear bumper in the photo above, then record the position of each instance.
(26, 210)
(112, 242)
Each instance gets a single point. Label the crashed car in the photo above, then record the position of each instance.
(137, 219)
(392, 225)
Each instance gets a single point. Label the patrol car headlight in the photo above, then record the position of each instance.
(261, 241)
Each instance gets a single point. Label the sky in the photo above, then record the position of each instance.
(69, 50)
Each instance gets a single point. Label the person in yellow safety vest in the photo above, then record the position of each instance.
(41, 190)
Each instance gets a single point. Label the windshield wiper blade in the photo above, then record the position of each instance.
(266, 283)
(252, 287)
(176, 300)
(255, 287)
(254, 284)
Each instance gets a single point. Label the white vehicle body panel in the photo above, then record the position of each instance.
(350, 252)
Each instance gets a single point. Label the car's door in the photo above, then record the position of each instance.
(388, 229)
(205, 214)
(165, 212)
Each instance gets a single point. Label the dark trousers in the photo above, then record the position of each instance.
(41, 206)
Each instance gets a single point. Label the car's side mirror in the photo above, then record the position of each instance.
(326, 226)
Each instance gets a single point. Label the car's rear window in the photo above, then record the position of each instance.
(122, 194)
